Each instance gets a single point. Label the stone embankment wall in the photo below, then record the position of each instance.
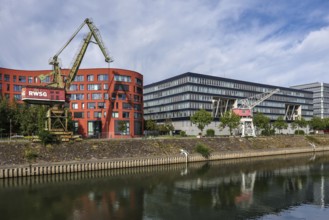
(105, 164)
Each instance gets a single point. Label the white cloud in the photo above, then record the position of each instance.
(247, 40)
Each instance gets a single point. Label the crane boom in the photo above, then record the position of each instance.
(252, 101)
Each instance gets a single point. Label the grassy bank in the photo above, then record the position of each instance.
(19, 152)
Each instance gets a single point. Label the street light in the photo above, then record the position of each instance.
(184, 152)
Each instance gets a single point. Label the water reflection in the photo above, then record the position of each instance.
(266, 188)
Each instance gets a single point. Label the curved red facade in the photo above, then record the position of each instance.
(105, 102)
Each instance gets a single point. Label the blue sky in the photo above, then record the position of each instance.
(280, 42)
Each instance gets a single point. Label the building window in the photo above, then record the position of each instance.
(0, 76)
(106, 96)
(121, 127)
(91, 105)
(97, 114)
(30, 79)
(14, 78)
(137, 107)
(115, 114)
(90, 78)
(17, 96)
(78, 78)
(78, 115)
(139, 90)
(121, 87)
(17, 88)
(46, 79)
(121, 96)
(103, 77)
(22, 79)
(125, 114)
(88, 114)
(94, 87)
(77, 96)
(114, 96)
(137, 115)
(101, 105)
(7, 96)
(75, 106)
(96, 96)
(136, 98)
(82, 87)
(8, 87)
(126, 105)
(121, 78)
(138, 81)
(7, 78)
(106, 86)
(73, 87)
(0, 86)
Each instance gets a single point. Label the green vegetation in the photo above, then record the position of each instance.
(47, 138)
(30, 154)
(263, 125)
(312, 139)
(299, 123)
(203, 150)
(230, 120)
(201, 119)
(210, 133)
(280, 124)
(182, 133)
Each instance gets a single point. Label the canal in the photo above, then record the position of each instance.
(285, 187)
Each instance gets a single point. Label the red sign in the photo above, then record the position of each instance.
(38, 94)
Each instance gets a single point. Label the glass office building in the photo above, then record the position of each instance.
(320, 97)
(179, 97)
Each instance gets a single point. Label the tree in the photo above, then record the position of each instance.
(201, 119)
(316, 123)
(123, 127)
(151, 125)
(262, 124)
(230, 120)
(280, 124)
(300, 122)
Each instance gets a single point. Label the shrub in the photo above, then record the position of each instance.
(210, 132)
(300, 132)
(30, 154)
(47, 138)
(182, 133)
(313, 139)
(203, 150)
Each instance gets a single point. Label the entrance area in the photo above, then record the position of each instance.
(94, 129)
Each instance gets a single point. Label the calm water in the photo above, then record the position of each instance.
(269, 188)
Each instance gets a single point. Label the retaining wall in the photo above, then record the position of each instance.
(81, 166)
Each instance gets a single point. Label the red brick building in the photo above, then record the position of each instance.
(99, 99)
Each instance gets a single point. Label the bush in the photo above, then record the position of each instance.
(210, 132)
(47, 138)
(300, 132)
(182, 133)
(30, 154)
(203, 150)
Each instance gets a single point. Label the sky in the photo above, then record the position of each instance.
(277, 42)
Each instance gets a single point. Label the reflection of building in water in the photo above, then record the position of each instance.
(125, 203)
(240, 194)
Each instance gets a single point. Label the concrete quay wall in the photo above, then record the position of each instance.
(103, 164)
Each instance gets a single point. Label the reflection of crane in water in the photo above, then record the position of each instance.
(245, 199)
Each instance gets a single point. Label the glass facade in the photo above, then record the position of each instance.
(180, 97)
(320, 97)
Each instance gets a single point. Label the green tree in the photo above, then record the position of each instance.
(316, 123)
(262, 124)
(151, 125)
(201, 119)
(280, 124)
(230, 120)
(123, 127)
(300, 122)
